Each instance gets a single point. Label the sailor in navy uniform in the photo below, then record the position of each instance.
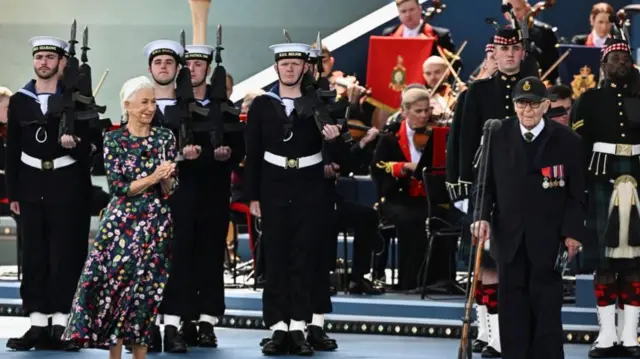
(195, 292)
(47, 182)
(163, 57)
(285, 185)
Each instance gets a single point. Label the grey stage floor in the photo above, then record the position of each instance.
(243, 344)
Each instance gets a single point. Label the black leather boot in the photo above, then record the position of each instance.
(173, 341)
(278, 344)
(206, 336)
(319, 340)
(36, 337)
(298, 345)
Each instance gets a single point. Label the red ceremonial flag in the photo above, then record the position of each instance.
(392, 64)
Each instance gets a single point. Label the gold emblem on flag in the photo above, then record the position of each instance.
(398, 76)
(582, 82)
(526, 86)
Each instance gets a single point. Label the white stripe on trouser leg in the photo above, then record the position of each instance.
(629, 337)
(607, 336)
(208, 319)
(60, 319)
(173, 320)
(38, 319)
(494, 333)
(620, 322)
(482, 315)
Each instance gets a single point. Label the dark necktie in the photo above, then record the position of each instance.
(528, 136)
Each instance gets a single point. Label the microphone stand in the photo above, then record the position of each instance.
(464, 351)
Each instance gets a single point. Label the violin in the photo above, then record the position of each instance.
(421, 136)
(357, 129)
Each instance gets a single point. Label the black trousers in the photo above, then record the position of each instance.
(292, 236)
(54, 249)
(409, 218)
(196, 284)
(530, 308)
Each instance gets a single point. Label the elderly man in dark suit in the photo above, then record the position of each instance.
(534, 198)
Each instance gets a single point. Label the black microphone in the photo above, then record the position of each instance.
(492, 125)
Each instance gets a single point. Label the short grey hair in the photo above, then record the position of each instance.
(131, 87)
(414, 94)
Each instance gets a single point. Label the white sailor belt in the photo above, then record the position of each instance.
(617, 149)
(293, 163)
(47, 165)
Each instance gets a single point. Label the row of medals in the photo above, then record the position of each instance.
(552, 183)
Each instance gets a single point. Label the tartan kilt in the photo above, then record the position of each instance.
(600, 189)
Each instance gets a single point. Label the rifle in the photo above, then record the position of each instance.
(316, 100)
(76, 103)
(185, 101)
(219, 106)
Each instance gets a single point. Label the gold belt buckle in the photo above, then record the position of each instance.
(624, 150)
(47, 165)
(292, 163)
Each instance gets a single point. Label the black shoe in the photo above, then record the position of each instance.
(189, 332)
(478, 345)
(173, 341)
(490, 352)
(156, 341)
(58, 344)
(629, 352)
(363, 286)
(264, 341)
(278, 344)
(610, 352)
(36, 337)
(318, 339)
(206, 336)
(298, 345)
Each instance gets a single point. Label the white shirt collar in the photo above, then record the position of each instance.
(536, 130)
(407, 32)
(415, 153)
(597, 40)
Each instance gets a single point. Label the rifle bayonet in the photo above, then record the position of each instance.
(287, 38)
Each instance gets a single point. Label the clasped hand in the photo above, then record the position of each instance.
(68, 141)
(222, 153)
(164, 171)
(191, 152)
(330, 132)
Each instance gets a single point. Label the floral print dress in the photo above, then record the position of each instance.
(123, 280)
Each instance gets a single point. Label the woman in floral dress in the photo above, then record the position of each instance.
(123, 280)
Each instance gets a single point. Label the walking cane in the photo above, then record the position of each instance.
(464, 351)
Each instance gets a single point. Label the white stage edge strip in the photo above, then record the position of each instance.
(333, 41)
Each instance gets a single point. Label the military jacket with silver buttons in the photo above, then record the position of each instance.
(486, 99)
(599, 115)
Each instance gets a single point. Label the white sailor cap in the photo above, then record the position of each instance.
(163, 47)
(199, 52)
(66, 51)
(290, 51)
(48, 43)
(315, 53)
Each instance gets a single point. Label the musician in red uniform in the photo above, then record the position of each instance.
(412, 24)
(398, 177)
